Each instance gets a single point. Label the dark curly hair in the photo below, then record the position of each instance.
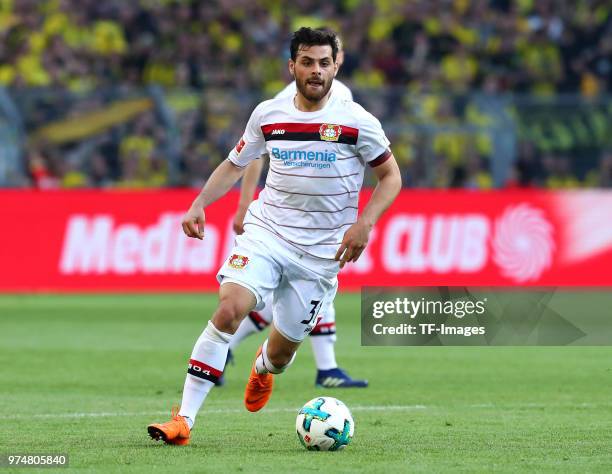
(313, 37)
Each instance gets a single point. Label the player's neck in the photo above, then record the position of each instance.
(304, 105)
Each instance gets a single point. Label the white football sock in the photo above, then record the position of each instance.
(248, 326)
(263, 364)
(323, 350)
(205, 367)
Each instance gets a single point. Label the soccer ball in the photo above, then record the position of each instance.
(324, 424)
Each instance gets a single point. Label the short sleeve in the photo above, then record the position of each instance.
(342, 90)
(252, 144)
(372, 143)
(289, 91)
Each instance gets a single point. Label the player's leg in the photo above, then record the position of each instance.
(255, 322)
(273, 357)
(246, 278)
(323, 341)
(210, 352)
(280, 352)
(297, 301)
(207, 362)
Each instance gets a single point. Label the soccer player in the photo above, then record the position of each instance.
(323, 336)
(300, 231)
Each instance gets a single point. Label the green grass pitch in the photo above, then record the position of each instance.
(84, 375)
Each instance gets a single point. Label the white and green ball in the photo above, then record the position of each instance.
(325, 424)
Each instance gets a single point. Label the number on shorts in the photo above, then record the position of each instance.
(316, 305)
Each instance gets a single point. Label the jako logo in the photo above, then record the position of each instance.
(303, 155)
(278, 131)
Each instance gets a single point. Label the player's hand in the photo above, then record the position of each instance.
(193, 223)
(354, 242)
(239, 220)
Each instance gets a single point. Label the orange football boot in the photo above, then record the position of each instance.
(258, 389)
(176, 431)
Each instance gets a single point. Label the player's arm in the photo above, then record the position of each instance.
(247, 191)
(250, 146)
(219, 183)
(357, 236)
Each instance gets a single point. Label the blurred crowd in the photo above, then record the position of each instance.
(416, 64)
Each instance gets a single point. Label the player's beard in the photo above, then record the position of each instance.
(317, 94)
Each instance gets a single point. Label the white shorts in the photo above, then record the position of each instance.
(299, 285)
(325, 327)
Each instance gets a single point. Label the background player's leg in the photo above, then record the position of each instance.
(254, 322)
(323, 339)
(210, 352)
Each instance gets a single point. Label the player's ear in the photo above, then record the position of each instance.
(291, 65)
(336, 67)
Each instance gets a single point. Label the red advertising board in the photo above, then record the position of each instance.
(98, 241)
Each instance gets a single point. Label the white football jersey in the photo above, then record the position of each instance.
(317, 162)
(338, 88)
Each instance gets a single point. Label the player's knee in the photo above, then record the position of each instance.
(228, 316)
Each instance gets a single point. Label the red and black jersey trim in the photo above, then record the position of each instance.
(259, 322)
(308, 132)
(380, 159)
(203, 371)
(325, 329)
